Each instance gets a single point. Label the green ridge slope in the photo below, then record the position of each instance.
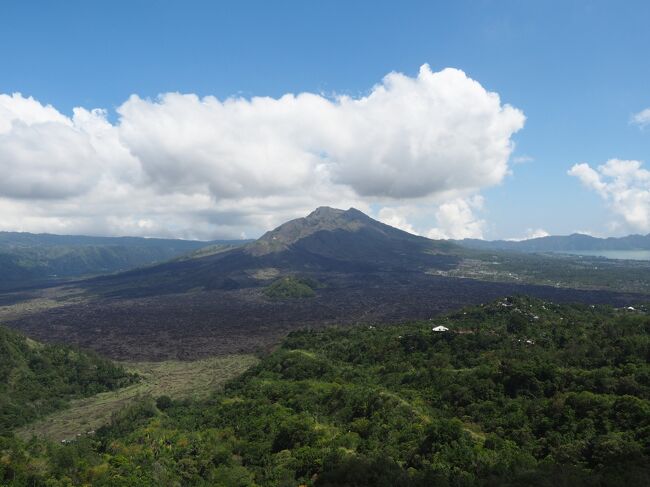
(37, 379)
(517, 392)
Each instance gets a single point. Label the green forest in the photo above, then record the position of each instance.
(37, 379)
(518, 392)
(291, 287)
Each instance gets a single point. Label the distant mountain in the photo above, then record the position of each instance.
(574, 242)
(27, 258)
(327, 240)
(347, 236)
(330, 267)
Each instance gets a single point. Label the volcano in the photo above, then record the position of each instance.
(326, 241)
(243, 300)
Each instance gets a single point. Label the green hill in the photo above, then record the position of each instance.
(518, 392)
(37, 379)
(30, 259)
(291, 287)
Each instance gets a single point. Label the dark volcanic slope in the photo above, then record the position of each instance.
(328, 240)
(368, 273)
(193, 325)
(29, 260)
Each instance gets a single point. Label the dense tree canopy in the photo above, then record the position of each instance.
(36, 379)
(518, 392)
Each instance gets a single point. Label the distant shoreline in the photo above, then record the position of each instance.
(609, 254)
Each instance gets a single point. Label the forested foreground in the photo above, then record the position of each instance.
(37, 379)
(517, 392)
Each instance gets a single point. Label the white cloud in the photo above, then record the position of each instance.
(522, 159)
(414, 137)
(451, 219)
(642, 118)
(42, 154)
(591, 233)
(16, 108)
(536, 233)
(456, 219)
(186, 166)
(410, 137)
(625, 186)
(531, 233)
(396, 217)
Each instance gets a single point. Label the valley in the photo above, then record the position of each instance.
(200, 324)
(176, 380)
(324, 243)
(516, 392)
(361, 270)
(30, 260)
(291, 356)
(588, 272)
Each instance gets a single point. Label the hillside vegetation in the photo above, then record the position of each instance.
(27, 258)
(557, 270)
(37, 379)
(518, 392)
(172, 378)
(291, 287)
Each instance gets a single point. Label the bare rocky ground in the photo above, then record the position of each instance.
(220, 322)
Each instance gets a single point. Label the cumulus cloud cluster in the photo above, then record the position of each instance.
(456, 219)
(186, 166)
(625, 186)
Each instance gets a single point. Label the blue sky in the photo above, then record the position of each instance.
(578, 70)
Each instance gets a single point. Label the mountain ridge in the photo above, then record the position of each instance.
(28, 259)
(323, 218)
(328, 240)
(358, 270)
(558, 243)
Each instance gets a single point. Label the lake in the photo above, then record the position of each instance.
(612, 254)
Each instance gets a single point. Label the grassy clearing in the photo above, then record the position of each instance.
(172, 378)
(43, 300)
